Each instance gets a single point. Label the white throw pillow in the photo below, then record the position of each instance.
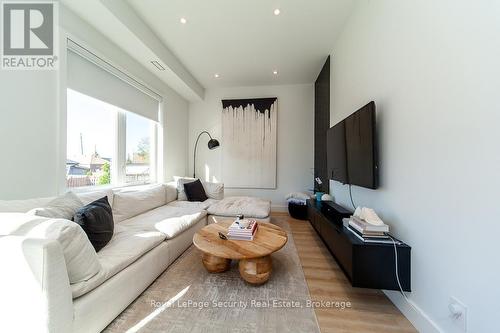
(88, 197)
(214, 190)
(81, 259)
(132, 203)
(171, 191)
(181, 194)
(62, 207)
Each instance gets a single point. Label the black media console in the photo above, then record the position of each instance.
(366, 265)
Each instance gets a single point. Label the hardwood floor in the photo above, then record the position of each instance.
(370, 311)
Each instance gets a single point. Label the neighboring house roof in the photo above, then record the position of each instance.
(97, 160)
(88, 160)
(76, 170)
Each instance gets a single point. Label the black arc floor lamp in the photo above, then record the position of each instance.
(212, 144)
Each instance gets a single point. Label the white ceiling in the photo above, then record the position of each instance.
(244, 41)
(122, 26)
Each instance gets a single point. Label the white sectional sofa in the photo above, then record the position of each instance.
(152, 229)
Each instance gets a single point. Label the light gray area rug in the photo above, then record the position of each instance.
(186, 298)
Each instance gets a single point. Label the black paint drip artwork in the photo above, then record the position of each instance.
(260, 104)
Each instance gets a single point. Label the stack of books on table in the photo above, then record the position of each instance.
(368, 232)
(242, 230)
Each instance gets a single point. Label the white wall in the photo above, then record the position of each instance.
(433, 69)
(28, 134)
(176, 137)
(295, 137)
(33, 122)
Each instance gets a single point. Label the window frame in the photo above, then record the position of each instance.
(119, 164)
(122, 137)
(68, 40)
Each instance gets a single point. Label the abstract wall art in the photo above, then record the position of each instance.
(249, 135)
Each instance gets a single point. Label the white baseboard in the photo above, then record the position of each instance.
(414, 314)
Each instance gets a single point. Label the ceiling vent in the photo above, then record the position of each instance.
(158, 65)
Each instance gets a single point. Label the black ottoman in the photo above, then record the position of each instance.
(297, 211)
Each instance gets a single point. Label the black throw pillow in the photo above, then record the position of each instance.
(96, 219)
(195, 191)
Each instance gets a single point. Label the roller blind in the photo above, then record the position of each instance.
(92, 76)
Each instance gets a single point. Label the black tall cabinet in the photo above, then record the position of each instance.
(321, 123)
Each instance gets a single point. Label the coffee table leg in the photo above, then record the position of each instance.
(256, 271)
(215, 264)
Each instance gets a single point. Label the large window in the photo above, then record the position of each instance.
(91, 141)
(106, 144)
(138, 149)
(112, 119)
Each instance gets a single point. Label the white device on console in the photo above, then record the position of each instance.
(368, 215)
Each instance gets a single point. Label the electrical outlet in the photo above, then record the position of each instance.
(458, 313)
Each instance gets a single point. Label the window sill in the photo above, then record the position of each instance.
(86, 189)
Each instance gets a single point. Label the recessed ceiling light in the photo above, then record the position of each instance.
(183, 20)
(277, 11)
(216, 75)
(275, 72)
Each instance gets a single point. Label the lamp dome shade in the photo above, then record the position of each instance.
(213, 143)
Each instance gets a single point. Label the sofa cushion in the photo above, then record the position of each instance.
(80, 257)
(174, 226)
(96, 219)
(171, 191)
(170, 220)
(195, 191)
(130, 203)
(125, 247)
(248, 206)
(193, 205)
(88, 197)
(62, 207)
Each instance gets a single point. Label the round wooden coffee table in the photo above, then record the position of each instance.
(254, 256)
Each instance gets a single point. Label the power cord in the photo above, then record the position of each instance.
(397, 274)
(350, 195)
(395, 256)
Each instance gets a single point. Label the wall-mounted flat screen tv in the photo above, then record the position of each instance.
(336, 154)
(352, 149)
